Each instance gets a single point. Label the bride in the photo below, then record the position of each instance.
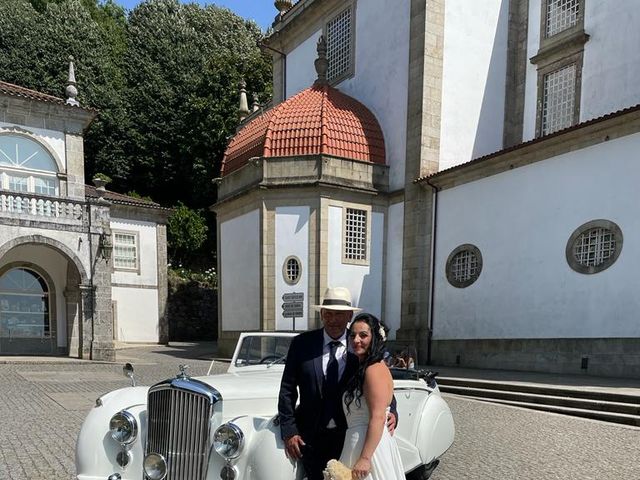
(369, 449)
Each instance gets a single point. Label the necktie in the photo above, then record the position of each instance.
(330, 387)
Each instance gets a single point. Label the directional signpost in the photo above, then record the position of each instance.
(293, 306)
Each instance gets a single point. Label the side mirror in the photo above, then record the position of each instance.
(128, 372)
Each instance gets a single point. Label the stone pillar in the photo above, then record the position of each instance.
(74, 147)
(86, 324)
(516, 72)
(161, 246)
(422, 157)
(103, 346)
(72, 299)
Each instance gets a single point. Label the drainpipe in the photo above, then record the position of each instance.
(91, 287)
(262, 45)
(434, 223)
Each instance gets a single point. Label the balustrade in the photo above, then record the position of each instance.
(38, 207)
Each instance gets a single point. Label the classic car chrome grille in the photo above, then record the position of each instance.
(178, 426)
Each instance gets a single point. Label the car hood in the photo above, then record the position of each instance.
(254, 393)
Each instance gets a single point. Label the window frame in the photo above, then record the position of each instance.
(576, 60)
(136, 236)
(285, 274)
(448, 270)
(548, 40)
(584, 228)
(367, 242)
(350, 71)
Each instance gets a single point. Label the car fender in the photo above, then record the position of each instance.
(436, 429)
(96, 450)
(262, 457)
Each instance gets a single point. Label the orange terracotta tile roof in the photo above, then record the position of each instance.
(317, 121)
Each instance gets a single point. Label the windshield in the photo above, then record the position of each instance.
(257, 350)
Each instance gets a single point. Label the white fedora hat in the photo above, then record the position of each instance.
(337, 298)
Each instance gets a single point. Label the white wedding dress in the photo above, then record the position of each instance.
(386, 463)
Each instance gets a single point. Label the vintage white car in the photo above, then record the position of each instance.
(226, 426)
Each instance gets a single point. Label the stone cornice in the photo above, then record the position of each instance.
(312, 170)
(596, 131)
(38, 114)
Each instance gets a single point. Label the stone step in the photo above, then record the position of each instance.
(621, 418)
(591, 393)
(551, 399)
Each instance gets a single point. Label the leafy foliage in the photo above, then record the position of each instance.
(164, 78)
(187, 232)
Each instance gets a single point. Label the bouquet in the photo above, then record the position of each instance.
(336, 470)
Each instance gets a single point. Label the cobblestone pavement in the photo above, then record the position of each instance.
(43, 405)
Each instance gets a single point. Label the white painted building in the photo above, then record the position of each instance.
(80, 267)
(496, 229)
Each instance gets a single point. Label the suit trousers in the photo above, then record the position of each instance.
(326, 445)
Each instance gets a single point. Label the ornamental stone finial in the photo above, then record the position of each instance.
(321, 63)
(256, 104)
(71, 90)
(243, 109)
(283, 5)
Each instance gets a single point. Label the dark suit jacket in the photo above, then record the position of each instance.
(303, 371)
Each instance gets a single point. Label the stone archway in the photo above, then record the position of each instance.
(77, 292)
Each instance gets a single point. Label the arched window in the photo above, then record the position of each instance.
(24, 305)
(26, 166)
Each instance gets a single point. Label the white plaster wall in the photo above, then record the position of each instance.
(147, 253)
(474, 75)
(380, 79)
(240, 293)
(364, 281)
(56, 266)
(382, 75)
(393, 274)
(301, 72)
(611, 60)
(292, 238)
(53, 139)
(136, 314)
(521, 221)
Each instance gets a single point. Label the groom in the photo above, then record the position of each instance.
(319, 365)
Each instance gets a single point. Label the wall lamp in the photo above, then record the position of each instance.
(105, 245)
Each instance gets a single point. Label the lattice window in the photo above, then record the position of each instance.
(292, 270)
(464, 265)
(125, 251)
(339, 39)
(561, 15)
(355, 238)
(558, 99)
(594, 247)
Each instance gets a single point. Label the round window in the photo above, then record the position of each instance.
(464, 265)
(594, 246)
(291, 270)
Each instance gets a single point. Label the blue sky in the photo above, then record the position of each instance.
(262, 11)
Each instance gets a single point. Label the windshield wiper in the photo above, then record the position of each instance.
(278, 360)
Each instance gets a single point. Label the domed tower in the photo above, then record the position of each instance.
(301, 206)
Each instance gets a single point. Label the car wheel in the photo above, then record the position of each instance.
(423, 472)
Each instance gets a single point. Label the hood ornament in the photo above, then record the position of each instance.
(183, 372)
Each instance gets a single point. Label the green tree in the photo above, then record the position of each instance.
(187, 232)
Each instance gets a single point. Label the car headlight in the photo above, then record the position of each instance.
(123, 427)
(155, 466)
(228, 440)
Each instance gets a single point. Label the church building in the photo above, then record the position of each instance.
(466, 169)
(80, 267)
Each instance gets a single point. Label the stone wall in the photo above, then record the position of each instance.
(192, 311)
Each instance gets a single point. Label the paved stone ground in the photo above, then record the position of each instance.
(43, 405)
